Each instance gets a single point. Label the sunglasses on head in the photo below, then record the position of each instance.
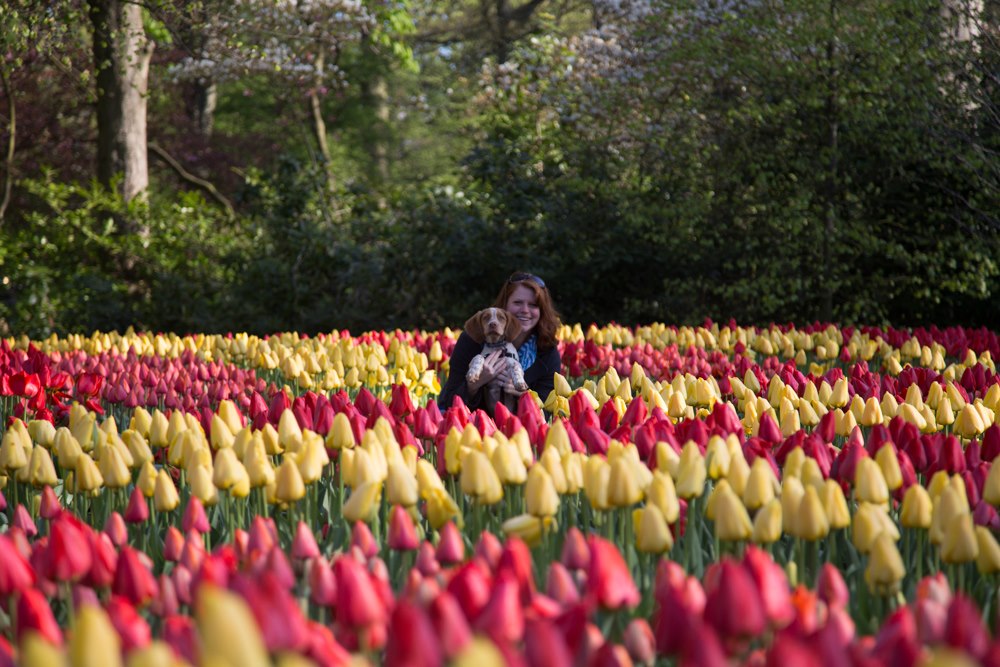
(530, 277)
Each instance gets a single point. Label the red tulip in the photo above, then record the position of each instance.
(323, 648)
(166, 603)
(115, 529)
(137, 510)
(34, 613)
(450, 625)
(194, 518)
(703, 648)
(173, 545)
(68, 556)
(470, 586)
(772, 586)
(560, 585)
(489, 549)
(262, 537)
(427, 563)
(16, 574)
(23, 521)
(89, 384)
(544, 645)
(639, 641)
(451, 546)
(362, 538)
(24, 384)
(131, 627)
(413, 641)
(277, 613)
(897, 642)
(787, 650)
(516, 558)
(402, 533)
(358, 603)
(608, 577)
(503, 616)
(179, 633)
(322, 584)
(831, 588)
(733, 606)
(49, 508)
(610, 654)
(104, 561)
(133, 580)
(964, 629)
(575, 552)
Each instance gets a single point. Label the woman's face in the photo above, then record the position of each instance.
(523, 305)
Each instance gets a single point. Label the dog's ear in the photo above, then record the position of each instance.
(513, 328)
(474, 327)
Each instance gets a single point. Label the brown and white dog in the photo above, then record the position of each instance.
(495, 328)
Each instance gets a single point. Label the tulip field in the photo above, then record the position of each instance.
(714, 495)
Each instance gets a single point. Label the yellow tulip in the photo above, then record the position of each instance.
(717, 458)
(42, 432)
(479, 480)
(441, 508)
(623, 491)
(41, 470)
(362, 504)
(228, 470)
(767, 523)
(667, 459)
(12, 454)
(541, 498)
(960, 544)
(867, 526)
(811, 522)
(661, 492)
(885, 568)
(289, 487)
(36, 651)
(652, 534)
(889, 465)
(732, 522)
(691, 473)
(869, 483)
(165, 498)
(87, 477)
(969, 423)
(872, 413)
(260, 470)
(227, 629)
(311, 458)
(948, 507)
(95, 642)
(988, 560)
(917, 508)
(401, 486)
(761, 485)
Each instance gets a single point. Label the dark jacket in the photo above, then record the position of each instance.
(538, 376)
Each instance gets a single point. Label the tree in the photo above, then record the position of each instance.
(122, 54)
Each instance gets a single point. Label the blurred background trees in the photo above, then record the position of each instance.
(363, 164)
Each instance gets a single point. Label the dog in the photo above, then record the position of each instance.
(495, 328)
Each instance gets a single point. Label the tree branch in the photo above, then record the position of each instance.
(191, 178)
(8, 163)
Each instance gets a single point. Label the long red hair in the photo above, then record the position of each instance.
(548, 317)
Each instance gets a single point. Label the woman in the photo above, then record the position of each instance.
(526, 297)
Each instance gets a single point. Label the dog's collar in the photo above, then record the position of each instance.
(501, 345)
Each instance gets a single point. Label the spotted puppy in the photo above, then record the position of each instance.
(495, 328)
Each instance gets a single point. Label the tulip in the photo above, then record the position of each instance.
(441, 508)
(401, 486)
(733, 606)
(988, 557)
(41, 471)
(885, 568)
(289, 487)
(229, 634)
(527, 527)
(652, 534)
(811, 522)
(732, 522)
(12, 453)
(870, 485)
(165, 498)
(767, 523)
(87, 476)
(479, 480)
(541, 498)
(68, 555)
(960, 544)
(761, 485)
(608, 577)
(361, 505)
(358, 604)
(402, 532)
(36, 651)
(113, 468)
(35, 616)
(691, 473)
(917, 508)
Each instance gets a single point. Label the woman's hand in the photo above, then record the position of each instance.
(494, 367)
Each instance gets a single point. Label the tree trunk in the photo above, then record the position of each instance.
(121, 57)
(8, 163)
(318, 124)
(831, 185)
(201, 106)
(376, 94)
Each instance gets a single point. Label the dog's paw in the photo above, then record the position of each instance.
(521, 386)
(472, 377)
